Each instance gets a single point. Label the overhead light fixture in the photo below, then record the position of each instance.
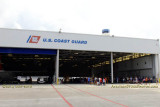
(71, 57)
(76, 53)
(10, 55)
(67, 59)
(36, 55)
(102, 54)
(93, 57)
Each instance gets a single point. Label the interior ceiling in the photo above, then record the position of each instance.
(70, 56)
(92, 57)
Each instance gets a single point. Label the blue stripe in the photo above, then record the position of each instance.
(28, 38)
(28, 51)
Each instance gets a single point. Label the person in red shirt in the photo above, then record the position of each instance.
(146, 80)
(101, 81)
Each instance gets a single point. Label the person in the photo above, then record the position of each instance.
(30, 79)
(146, 80)
(143, 81)
(100, 79)
(60, 81)
(95, 80)
(136, 80)
(140, 79)
(156, 80)
(117, 79)
(151, 79)
(127, 79)
(131, 80)
(104, 81)
(88, 80)
(123, 79)
(107, 78)
(92, 80)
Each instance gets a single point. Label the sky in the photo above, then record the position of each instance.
(125, 18)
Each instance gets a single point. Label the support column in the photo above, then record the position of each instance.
(57, 67)
(156, 66)
(112, 68)
(159, 68)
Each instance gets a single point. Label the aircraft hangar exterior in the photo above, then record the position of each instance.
(81, 55)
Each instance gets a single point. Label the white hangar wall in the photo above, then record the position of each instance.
(48, 40)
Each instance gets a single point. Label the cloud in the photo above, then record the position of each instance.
(130, 18)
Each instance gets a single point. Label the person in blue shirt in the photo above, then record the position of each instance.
(88, 80)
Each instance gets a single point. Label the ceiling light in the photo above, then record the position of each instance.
(93, 57)
(71, 57)
(36, 55)
(10, 55)
(102, 54)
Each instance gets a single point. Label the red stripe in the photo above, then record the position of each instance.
(70, 105)
(99, 97)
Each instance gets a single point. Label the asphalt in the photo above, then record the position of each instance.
(80, 95)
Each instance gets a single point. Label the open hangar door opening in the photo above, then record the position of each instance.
(19, 65)
(76, 66)
(129, 68)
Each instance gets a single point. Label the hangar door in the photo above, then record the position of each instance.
(15, 62)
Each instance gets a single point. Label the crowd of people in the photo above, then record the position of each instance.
(103, 81)
(85, 80)
(134, 80)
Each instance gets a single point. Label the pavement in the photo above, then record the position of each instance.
(80, 95)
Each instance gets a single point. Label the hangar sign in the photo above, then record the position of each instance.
(64, 41)
(35, 39)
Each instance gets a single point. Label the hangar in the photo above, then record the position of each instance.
(29, 53)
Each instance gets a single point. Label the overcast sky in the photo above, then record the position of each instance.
(128, 18)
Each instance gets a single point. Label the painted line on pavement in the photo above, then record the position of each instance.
(99, 97)
(70, 105)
